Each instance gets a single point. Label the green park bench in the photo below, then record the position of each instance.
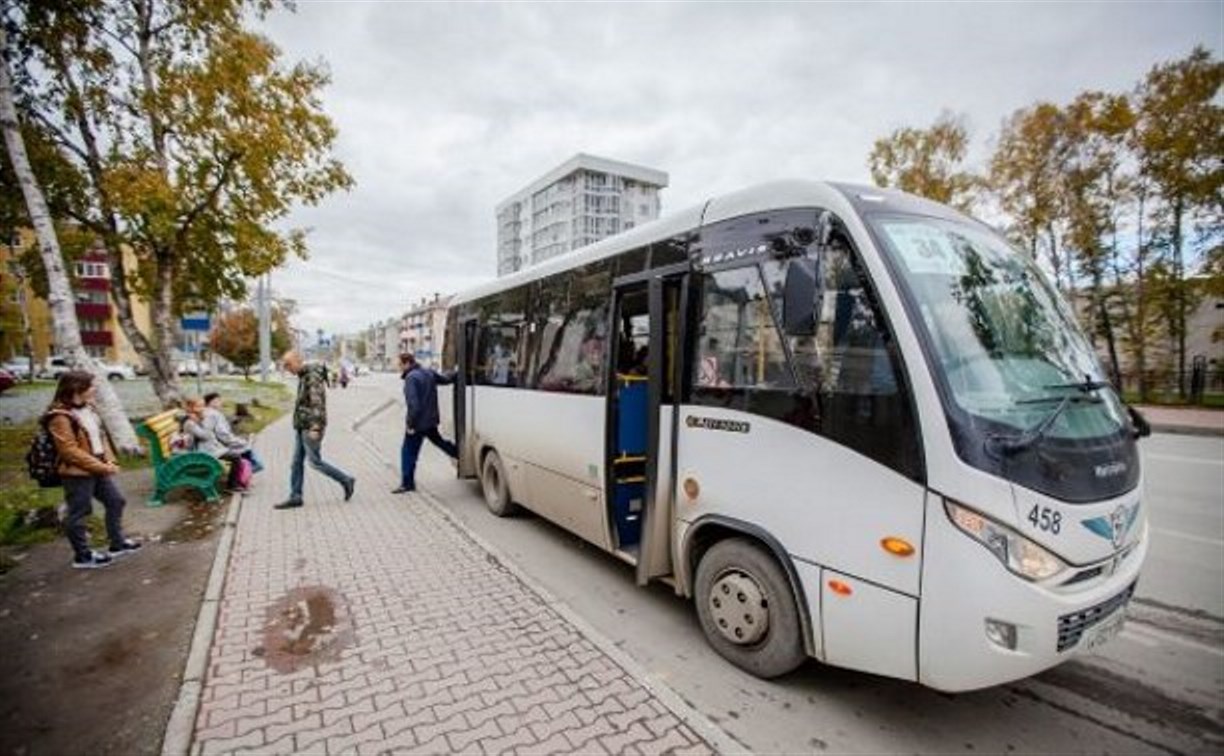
(189, 470)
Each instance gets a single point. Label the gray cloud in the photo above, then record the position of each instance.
(445, 109)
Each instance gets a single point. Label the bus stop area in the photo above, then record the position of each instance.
(381, 625)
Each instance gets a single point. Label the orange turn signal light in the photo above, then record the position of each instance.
(840, 588)
(897, 546)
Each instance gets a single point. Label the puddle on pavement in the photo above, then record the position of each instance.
(202, 520)
(307, 626)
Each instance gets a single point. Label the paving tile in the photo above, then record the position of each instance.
(438, 647)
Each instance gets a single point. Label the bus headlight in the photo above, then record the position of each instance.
(1017, 553)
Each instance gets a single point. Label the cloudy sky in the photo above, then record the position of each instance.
(444, 109)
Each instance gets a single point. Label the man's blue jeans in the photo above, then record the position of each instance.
(411, 450)
(307, 450)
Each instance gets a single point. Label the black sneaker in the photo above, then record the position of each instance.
(91, 561)
(403, 490)
(349, 487)
(127, 547)
(291, 504)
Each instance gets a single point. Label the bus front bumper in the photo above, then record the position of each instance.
(980, 625)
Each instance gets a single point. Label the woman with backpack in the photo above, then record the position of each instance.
(86, 467)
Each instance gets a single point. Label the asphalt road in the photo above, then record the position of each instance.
(1159, 687)
(1185, 493)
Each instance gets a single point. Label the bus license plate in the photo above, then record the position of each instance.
(1105, 631)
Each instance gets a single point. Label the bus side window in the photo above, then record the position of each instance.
(502, 341)
(864, 404)
(739, 346)
(572, 348)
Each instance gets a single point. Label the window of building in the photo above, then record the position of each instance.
(91, 270)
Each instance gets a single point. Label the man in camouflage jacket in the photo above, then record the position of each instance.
(309, 424)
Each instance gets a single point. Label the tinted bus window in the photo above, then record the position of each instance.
(502, 343)
(864, 399)
(738, 342)
(572, 346)
(668, 252)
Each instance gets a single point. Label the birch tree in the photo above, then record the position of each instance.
(196, 141)
(61, 299)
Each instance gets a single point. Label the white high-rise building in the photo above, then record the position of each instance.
(579, 202)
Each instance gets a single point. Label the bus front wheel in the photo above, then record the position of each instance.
(496, 489)
(746, 608)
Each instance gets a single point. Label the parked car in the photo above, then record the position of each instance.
(18, 367)
(54, 367)
(7, 380)
(193, 368)
(115, 371)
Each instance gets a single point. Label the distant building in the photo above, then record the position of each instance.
(579, 202)
(422, 330)
(101, 333)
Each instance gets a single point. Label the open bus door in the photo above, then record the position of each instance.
(649, 320)
(465, 399)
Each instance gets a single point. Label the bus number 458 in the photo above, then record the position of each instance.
(1046, 518)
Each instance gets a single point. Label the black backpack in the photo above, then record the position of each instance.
(42, 460)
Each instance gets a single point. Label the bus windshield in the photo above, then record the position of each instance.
(1008, 350)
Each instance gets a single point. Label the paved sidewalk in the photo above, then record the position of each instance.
(379, 626)
(1188, 420)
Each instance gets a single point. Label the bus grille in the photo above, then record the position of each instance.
(1071, 626)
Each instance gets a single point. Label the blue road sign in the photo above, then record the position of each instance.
(195, 321)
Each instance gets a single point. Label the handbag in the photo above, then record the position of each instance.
(245, 472)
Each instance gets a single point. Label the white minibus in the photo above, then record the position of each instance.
(849, 423)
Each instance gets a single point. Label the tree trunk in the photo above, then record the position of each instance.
(61, 299)
(1139, 328)
(1179, 269)
(163, 372)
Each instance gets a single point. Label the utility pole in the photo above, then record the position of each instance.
(265, 328)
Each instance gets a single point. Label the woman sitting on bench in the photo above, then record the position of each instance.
(201, 428)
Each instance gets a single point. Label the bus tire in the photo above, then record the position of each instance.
(747, 610)
(496, 489)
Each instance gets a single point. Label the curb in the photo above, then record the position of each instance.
(1188, 430)
(718, 739)
(181, 726)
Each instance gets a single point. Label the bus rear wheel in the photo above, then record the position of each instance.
(496, 489)
(746, 608)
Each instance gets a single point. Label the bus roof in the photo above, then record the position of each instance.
(840, 198)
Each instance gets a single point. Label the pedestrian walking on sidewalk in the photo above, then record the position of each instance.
(421, 400)
(309, 424)
(86, 466)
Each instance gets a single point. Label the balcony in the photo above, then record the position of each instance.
(93, 310)
(97, 338)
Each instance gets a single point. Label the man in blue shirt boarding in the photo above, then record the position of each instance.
(421, 398)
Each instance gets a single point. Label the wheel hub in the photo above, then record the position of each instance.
(739, 608)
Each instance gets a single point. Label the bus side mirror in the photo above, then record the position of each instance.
(1142, 427)
(799, 297)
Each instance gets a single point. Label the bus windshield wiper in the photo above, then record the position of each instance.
(1022, 441)
(1085, 386)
